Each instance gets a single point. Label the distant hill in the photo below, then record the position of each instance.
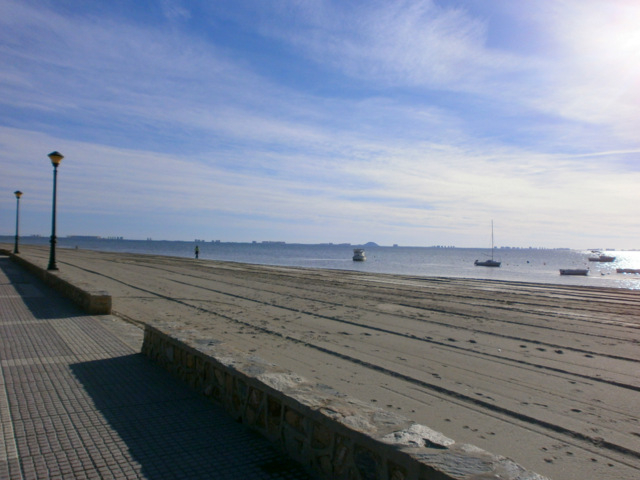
(371, 244)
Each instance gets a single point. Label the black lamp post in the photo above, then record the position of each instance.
(18, 194)
(56, 158)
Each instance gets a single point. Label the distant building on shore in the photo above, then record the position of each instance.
(84, 237)
(92, 237)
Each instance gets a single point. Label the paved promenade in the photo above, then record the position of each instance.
(78, 401)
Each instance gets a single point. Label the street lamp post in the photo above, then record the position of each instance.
(18, 194)
(56, 158)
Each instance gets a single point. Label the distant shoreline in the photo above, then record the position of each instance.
(520, 265)
(42, 239)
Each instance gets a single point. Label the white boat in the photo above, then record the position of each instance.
(491, 262)
(358, 255)
(602, 258)
(628, 270)
(574, 271)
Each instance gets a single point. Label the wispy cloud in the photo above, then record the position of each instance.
(173, 10)
(406, 43)
(588, 72)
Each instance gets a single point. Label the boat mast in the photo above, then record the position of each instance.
(492, 239)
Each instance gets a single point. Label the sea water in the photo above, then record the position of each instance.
(521, 265)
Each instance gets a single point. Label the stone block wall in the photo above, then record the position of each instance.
(334, 436)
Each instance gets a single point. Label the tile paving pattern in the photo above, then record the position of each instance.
(79, 402)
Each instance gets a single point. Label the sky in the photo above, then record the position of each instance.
(410, 122)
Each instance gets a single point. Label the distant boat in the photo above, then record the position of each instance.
(628, 270)
(358, 255)
(574, 271)
(602, 258)
(491, 262)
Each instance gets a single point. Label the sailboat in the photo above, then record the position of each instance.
(491, 262)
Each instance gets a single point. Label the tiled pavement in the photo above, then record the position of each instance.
(77, 401)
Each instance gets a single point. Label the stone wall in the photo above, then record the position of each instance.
(335, 436)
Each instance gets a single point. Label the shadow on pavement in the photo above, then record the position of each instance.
(32, 290)
(172, 431)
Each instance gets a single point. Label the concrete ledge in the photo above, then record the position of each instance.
(335, 436)
(92, 302)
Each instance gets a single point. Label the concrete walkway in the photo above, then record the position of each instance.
(78, 401)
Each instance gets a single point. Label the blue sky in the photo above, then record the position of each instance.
(409, 122)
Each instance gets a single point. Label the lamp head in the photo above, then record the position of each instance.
(56, 158)
(17, 193)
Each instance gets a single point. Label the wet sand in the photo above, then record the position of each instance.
(546, 375)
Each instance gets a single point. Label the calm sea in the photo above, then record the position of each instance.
(528, 265)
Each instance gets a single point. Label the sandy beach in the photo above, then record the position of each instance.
(546, 375)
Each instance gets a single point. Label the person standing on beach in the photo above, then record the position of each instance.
(197, 251)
